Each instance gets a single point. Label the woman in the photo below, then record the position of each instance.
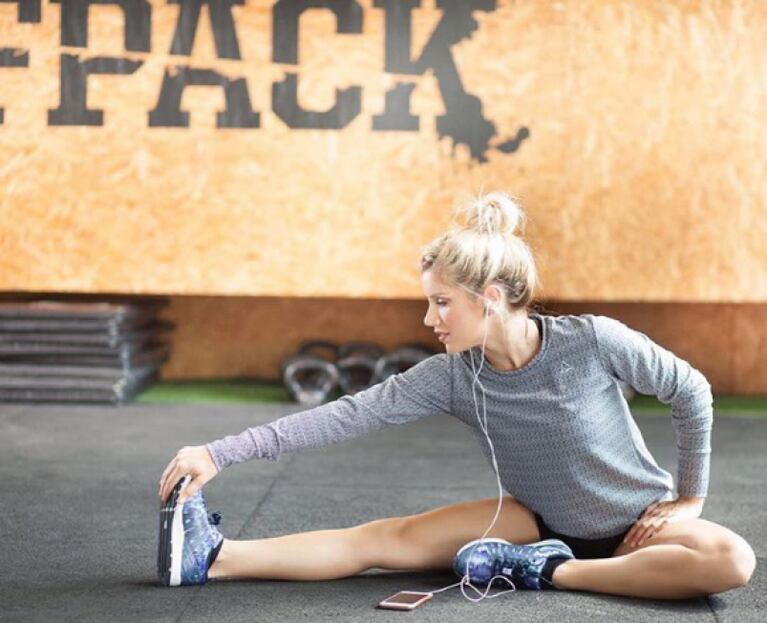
(568, 449)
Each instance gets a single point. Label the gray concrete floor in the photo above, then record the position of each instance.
(80, 517)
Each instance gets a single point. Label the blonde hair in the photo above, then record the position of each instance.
(485, 250)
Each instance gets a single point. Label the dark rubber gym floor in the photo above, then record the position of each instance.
(80, 516)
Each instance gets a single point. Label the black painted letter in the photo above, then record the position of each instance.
(74, 22)
(348, 104)
(239, 112)
(463, 120)
(72, 108)
(168, 113)
(73, 99)
(224, 33)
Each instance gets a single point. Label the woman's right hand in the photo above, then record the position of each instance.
(194, 460)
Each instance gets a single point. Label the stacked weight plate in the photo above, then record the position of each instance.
(80, 351)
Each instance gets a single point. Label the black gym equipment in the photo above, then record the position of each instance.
(356, 365)
(400, 359)
(308, 377)
(80, 350)
(326, 349)
(320, 366)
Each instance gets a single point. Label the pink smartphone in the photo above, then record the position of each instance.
(405, 600)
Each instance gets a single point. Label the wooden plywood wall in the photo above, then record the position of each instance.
(248, 337)
(632, 132)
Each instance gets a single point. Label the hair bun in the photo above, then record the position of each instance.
(494, 213)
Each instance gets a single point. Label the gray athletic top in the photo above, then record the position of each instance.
(565, 441)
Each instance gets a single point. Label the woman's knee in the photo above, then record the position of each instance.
(728, 563)
(469, 520)
(736, 560)
(382, 543)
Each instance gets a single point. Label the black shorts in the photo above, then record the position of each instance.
(583, 548)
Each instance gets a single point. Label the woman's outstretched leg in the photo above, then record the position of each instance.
(426, 541)
(317, 555)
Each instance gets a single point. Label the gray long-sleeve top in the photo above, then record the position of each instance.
(565, 441)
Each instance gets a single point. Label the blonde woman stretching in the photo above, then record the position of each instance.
(568, 450)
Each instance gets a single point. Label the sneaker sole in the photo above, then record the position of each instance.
(171, 541)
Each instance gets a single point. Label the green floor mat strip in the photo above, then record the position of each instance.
(723, 405)
(252, 391)
(214, 391)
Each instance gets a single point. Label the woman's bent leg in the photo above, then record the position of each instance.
(688, 558)
(430, 540)
(425, 541)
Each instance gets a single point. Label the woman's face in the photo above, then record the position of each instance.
(450, 311)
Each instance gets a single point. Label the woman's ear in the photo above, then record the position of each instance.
(490, 304)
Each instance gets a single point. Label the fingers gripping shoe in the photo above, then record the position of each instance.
(188, 539)
(520, 563)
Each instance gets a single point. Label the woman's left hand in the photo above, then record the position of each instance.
(660, 513)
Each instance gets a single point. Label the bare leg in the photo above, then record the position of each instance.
(426, 541)
(706, 558)
(691, 558)
(317, 555)
(658, 571)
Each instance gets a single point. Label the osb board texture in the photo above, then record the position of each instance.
(244, 337)
(643, 174)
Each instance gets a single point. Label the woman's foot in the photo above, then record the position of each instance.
(483, 559)
(189, 540)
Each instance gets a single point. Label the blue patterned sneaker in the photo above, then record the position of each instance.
(522, 563)
(189, 539)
